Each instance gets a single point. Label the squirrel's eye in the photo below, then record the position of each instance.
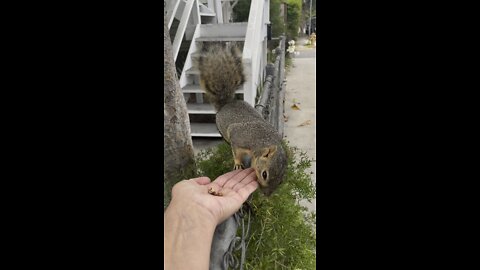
(264, 175)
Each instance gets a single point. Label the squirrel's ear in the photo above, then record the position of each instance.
(268, 151)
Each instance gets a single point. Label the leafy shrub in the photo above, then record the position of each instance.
(282, 233)
(241, 11)
(277, 21)
(294, 13)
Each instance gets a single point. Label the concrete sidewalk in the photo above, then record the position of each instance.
(300, 127)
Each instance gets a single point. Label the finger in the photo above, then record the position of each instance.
(247, 190)
(238, 178)
(245, 181)
(223, 178)
(201, 180)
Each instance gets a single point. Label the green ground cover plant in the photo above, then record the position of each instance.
(282, 232)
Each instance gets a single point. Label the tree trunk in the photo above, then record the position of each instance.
(178, 148)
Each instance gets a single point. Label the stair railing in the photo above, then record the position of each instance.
(182, 26)
(254, 51)
(171, 9)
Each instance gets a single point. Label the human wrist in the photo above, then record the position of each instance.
(188, 234)
(191, 212)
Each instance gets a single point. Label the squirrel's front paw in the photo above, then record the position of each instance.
(238, 167)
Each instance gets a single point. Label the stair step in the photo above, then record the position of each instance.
(216, 39)
(195, 88)
(204, 130)
(223, 30)
(195, 55)
(204, 9)
(207, 14)
(200, 108)
(192, 88)
(192, 71)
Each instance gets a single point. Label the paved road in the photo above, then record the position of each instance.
(300, 128)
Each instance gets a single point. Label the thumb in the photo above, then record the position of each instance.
(201, 180)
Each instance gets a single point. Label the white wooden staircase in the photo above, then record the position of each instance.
(201, 23)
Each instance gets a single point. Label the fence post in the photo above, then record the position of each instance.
(282, 84)
(270, 69)
(271, 103)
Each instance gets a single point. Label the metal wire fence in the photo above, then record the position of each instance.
(272, 100)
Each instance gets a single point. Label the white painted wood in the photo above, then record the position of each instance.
(172, 7)
(199, 98)
(192, 71)
(223, 30)
(207, 14)
(189, 32)
(213, 39)
(200, 108)
(192, 88)
(194, 47)
(210, 4)
(181, 7)
(195, 88)
(204, 8)
(218, 11)
(194, 20)
(182, 27)
(196, 13)
(204, 130)
(253, 49)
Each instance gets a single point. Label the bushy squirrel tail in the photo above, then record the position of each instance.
(221, 74)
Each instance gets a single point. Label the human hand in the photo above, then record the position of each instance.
(235, 187)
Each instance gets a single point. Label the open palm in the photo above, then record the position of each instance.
(235, 187)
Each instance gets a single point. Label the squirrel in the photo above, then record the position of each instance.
(255, 142)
